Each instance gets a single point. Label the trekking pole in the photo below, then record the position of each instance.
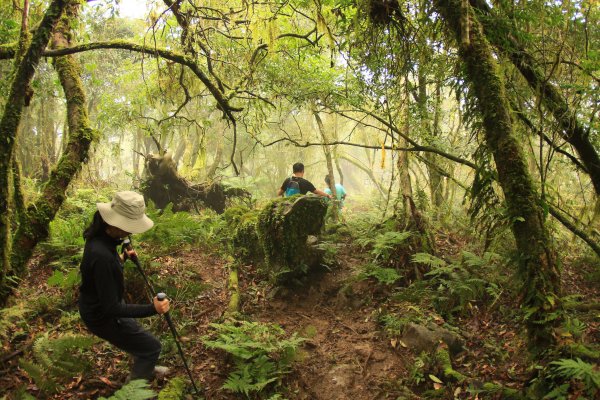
(160, 297)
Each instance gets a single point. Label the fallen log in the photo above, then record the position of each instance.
(163, 185)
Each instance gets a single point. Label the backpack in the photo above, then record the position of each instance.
(292, 188)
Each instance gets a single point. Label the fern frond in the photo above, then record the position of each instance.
(62, 356)
(57, 359)
(387, 276)
(174, 390)
(134, 390)
(262, 353)
(43, 382)
(580, 370)
(428, 259)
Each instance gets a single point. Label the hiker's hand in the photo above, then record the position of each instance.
(161, 306)
(127, 254)
(330, 196)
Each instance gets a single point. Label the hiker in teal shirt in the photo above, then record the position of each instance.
(339, 191)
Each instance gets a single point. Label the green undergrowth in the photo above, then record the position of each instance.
(465, 282)
(262, 354)
(176, 230)
(56, 360)
(13, 321)
(64, 245)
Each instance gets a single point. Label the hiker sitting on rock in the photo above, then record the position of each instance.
(297, 184)
(101, 304)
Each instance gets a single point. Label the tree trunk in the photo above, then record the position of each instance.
(211, 171)
(537, 265)
(18, 98)
(34, 226)
(368, 171)
(571, 129)
(435, 178)
(335, 208)
(403, 168)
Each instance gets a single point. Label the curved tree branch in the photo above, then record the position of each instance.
(366, 146)
(179, 58)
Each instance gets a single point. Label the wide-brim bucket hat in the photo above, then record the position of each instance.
(126, 211)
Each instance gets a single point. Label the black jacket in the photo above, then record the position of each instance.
(304, 185)
(102, 285)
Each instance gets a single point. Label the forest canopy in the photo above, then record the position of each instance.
(461, 143)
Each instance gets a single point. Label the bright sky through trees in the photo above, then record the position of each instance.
(133, 8)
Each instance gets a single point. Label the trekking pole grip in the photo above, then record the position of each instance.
(161, 296)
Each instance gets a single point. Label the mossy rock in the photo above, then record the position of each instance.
(275, 237)
(283, 228)
(242, 222)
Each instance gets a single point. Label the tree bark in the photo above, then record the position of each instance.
(34, 226)
(571, 129)
(335, 208)
(406, 194)
(537, 265)
(17, 100)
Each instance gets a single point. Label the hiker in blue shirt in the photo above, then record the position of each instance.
(340, 192)
(297, 184)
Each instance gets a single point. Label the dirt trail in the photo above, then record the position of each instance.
(346, 357)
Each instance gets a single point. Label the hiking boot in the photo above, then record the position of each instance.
(160, 372)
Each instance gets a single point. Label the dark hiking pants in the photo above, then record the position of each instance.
(129, 336)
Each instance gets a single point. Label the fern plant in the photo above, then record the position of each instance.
(57, 359)
(579, 370)
(385, 244)
(261, 353)
(386, 276)
(460, 283)
(174, 390)
(10, 318)
(134, 390)
(176, 229)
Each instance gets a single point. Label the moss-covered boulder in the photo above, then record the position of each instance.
(242, 234)
(276, 237)
(284, 226)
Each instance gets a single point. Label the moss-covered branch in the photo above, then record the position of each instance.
(34, 224)
(504, 36)
(11, 118)
(556, 213)
(179, 58)
(234, 291)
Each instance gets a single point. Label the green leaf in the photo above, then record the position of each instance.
(56, 279)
